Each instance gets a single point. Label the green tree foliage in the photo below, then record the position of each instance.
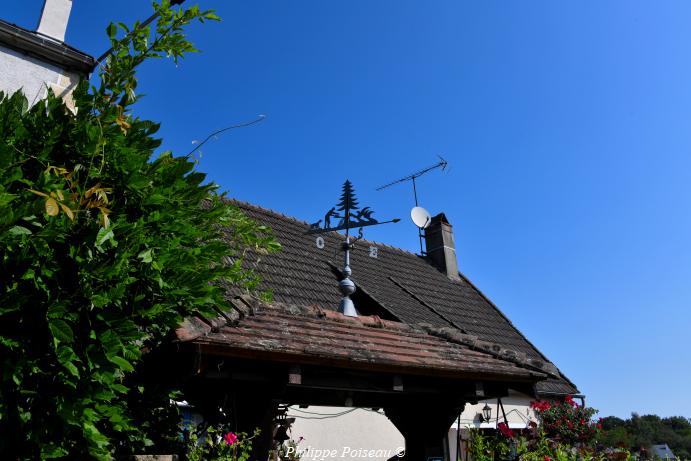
(643, 431)
(103, 251)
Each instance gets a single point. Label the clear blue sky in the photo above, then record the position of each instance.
(567, 126)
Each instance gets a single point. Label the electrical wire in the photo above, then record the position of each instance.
(324, 416)
(379, 412)
(314, 412)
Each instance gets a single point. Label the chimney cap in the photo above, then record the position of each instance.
(441, 217)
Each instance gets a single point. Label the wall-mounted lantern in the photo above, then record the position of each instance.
(486, 414)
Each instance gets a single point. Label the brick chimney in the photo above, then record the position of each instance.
(54, 17)
(440, 246)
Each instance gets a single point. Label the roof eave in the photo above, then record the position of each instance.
(220, 350)
(45, 48)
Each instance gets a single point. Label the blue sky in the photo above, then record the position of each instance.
(566, 126)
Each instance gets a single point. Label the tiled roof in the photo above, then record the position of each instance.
(397, 284)
(311, 335)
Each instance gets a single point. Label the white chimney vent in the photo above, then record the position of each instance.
(54, 17)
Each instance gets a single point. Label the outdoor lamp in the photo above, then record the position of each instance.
(486, 413)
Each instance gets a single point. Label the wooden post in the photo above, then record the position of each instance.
(425, 427)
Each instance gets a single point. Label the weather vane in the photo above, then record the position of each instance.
(347, 215)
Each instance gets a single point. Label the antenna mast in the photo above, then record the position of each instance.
(411, 177)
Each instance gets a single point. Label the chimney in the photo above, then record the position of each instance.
(54, 17)
(441, 249)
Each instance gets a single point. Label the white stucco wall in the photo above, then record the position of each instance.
(21, 72)
(359, 434)
(516, 406)
(362, 430)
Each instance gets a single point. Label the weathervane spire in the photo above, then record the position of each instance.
(348, 219)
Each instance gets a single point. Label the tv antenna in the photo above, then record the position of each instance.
(421, 217)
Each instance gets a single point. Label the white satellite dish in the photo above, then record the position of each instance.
(420, 217)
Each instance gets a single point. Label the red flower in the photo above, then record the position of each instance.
(540, 405)
(230, 438)
(505, 430)
(569, 400)
(599, 426)
(547, 458)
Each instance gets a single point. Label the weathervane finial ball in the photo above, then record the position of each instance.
(347, 287)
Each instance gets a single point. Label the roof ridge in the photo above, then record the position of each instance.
(496, 350)
(491, 303)
(315, 311)
(245, 204)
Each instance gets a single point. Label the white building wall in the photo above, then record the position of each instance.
(516, 406)
(359, 434)
(33, 76)
(330, 434)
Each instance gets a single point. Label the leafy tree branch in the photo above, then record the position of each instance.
(104, 250)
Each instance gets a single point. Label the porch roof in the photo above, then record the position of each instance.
(309, 335)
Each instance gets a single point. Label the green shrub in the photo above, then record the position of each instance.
(218, 444)
(567, 421)
(103, 251)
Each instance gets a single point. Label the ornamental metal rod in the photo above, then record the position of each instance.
(419, 229)
(346, 285)
(319, 230)
(346, 261)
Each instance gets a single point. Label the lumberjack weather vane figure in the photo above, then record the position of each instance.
(352, 217)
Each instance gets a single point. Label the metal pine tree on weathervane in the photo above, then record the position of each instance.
(351, 216)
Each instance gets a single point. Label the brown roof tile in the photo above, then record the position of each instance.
(312, 335)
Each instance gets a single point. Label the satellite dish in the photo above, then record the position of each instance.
(420, 217)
